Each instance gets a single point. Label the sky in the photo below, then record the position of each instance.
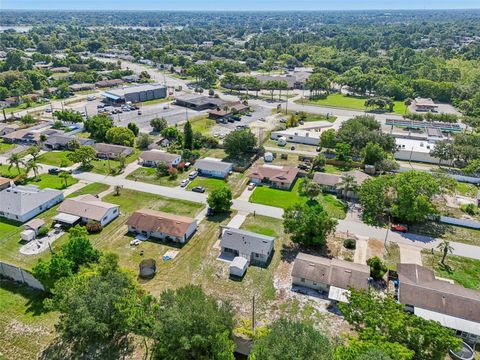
(236, 5)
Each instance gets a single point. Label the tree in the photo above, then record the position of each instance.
(94, 305)
(372, 154)
(188, 136)
(472, 168)
(68, 116)
(83, 155)
(98, 125)
(158, 124)
(32, 165)
(445, 248)
(347, 185)
(220, 199)
(240, 144)
(343, 152)
(193, 325)
(134, 128)
(377, 268)
(318, 162)
(65, 176)
(144, 141)
(27, 119)
(120, 136)
(386, 165)
(308, 224)
(34, 151)
(292, 340)
(162, 168)
(357, 349)
(380, 319)
(310, 188)
(328, 139)
(15, 160)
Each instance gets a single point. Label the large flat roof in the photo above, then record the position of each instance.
(121, 92)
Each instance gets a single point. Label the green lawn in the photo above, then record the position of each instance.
(10, 173)
(149, 175)
(333, 169)
(465, 189)
(106, 167)
(202, 124)
(462, 270)
(23, 107)
(208, 183)
(5, 147)
(154, 101)
(26, 327)
(285, 199)
(351, 102)
(52, 181)
(55, 158)
(93, 189)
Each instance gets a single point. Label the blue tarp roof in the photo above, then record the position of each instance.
(111, 96)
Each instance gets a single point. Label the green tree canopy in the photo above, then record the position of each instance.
(220, 199)
(83, 155)
(98, 126)
(240, 143)
(120, 136)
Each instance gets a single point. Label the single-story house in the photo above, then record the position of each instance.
(161, 225)
(330, 182)
(86, 208)
(8, 128)
(60, 69)
(213, 167)
(22, 203)
(108, 83)
(239, 107)
(111, 151)
(256, 248)
(451, 305)
(82, 87)
(153, 157)
(332, 276)
(424, 104)
(31, 229)
(61, 141)
(5, 183)
(29, 136)
(281, 177)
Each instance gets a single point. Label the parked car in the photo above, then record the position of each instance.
(248, 114)
(135, 242)
(184, 182)
(283, 120)
(193, 175)
(292, 147)
(199, 189)
(100, 106)
(139, 112)
(210, 211)
(318, 149)
(91, 97)
(251, 186)
(303, 166)
(399, 228)
(48, 110)
(53, 171)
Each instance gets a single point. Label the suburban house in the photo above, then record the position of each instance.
(111, 151)
(330, 182)
(22, 203)
(255, 248)
(5, 183)
(281, 177)
(451, 305)
(31, 229)
(108, 83)
(81, 87)
(61, 141)
(29, 136)
(296, 135)
(153, 157)
(161, 225)
(423, 104)
(213, 167)
(332, 276)
(8, 128)
(84, 208)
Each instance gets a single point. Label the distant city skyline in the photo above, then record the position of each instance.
(258, 5)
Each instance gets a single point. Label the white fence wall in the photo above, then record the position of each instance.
(18, 274)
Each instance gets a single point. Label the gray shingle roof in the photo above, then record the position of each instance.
(246, 242)
(213, 165)
(20, 200)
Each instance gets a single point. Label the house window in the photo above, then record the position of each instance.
(115, 211)
(105, 218)
(302, 280)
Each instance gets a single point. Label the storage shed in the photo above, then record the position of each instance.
(238, 266)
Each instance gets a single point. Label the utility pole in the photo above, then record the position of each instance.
(286, 105)
(253, 314)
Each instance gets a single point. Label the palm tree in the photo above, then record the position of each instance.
(347, 184)
(445, 247)
(32, 165)
(15, 160)
(34, 151)
(64, 175)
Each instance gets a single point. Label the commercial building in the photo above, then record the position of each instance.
(414, 150)
(299, 136)
(199, 102)
(332, 276)
(135, 93)
(22, 203)
(85, 208)
(161, 225)
(423, 104)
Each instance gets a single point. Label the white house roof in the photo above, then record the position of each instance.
(239, 263)
(451, 322)
(246, 242)
(20, 200)
(86, 206)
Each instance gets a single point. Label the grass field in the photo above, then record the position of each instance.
(93, 189)
(55, 158)
(202, 124)
(350, 102)
(106, 167)
(52, 181)
(10, 173)
(465, 189)
(149, 175)
(25, 326)
(23, 107)
(462, 270)
(154, 101)
(208, 183)
(5, 147)
(284, 199)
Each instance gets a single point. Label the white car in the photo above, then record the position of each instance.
(193, 175)
(91, 97)
(184, 182)
(135, 242)
(251, 186)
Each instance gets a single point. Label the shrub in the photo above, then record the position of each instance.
(350, 244)
(42, 232)
(172, 172)
(377, 268)
(470, 209)
(93, 227)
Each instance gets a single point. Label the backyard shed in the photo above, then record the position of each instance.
(238, 266)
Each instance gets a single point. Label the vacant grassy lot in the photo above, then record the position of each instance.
(448, 232)
(149, 175)
(351, 102)
(208, 183)
(462, 270)
(202, 124)
(52, 181)
(25, 326)
(465, 189)
(333, 169)
(106, 167)
(154, 101)
(55, 158)
(5, 147)
(93, 189)
(236, 182)
(284, 199)
(10, 173)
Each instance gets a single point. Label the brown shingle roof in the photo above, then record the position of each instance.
(274, 173)
(155, 155)
(420, 288)
(4, 181)
(339, 273)
(158, 221)
(327, 179)
(87, 206)
(111, 148)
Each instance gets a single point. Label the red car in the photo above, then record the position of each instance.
(399, 228)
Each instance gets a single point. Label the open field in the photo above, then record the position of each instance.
(284, 199)
(52, 181)
(311, 117)
(55, 158)
(23, 107)
(10, 173)
(208, 183)
(202, 124)
(465, 189)
(106, 167)
(5, 147)
(462, 270)
(349, 102)
(149, 175)
(448, 232)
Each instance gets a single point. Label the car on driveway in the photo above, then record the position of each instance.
(251, 186)
(399, 228)
(53, 171)
(198, 189)
(193, 175)
(184, 182)
(210, 211)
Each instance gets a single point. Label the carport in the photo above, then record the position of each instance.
(67, 219)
